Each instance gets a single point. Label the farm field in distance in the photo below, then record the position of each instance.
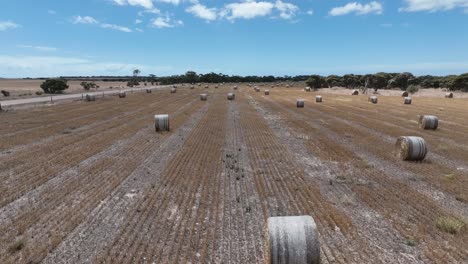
(92, 182)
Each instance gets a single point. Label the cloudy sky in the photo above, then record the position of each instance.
(245, 37)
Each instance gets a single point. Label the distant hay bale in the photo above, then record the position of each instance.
(373, 99)
(161, 123)
(300, 103)
(411, 148)
(408, 100)
(216, 86)
(174, 86)
(355, 92)
(449, 95)
(192, 87)
(122, 94)
(428, 122)
(293, 239)
(203, 97)
(287, 86)
(199, 84)
(90, 97)
(267, 92)
(257, 89)
(231, 96)
(149, 91)
(206, 86)
(307, 89)
(318, 99)
(173, 90)
(235, 87)
(404, 94)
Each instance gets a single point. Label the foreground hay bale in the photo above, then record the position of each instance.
(373, 99)
(149, 91)
(411, 148)
(300, 103)
(267, 92)
(90, 98)
(428, 122)
(203, 97)
(122, 94)
(173, 90)
(408, 100)
(449, 95)
(161, 123)
(404, 94)
(231, 96)
(318, 98)
(293, 239)
(355, 92)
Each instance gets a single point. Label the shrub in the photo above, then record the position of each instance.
(88, 85)
(39, 93)
(54, 86)
(412, 89)
(5, 93)
(449, 224)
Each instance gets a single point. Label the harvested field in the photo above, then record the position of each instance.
(92, 182)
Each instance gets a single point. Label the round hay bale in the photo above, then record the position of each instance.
(300, 103)
(307, 89)
(411, 148)
(373, 99)
(408, 100)
(267, 92)
(257, 89)
(122, 94)
(192, 87)
(206, 87)
(90, 97)
(355, 92)
(235, 87)
(449, 95)
(428, 122)
(216, 86)
(161, 123)
(404, 94)
(173, 90)
(199, 84)
(203, 97)
(149, 91)
(231, 96)
(318, 98)
(293, 239)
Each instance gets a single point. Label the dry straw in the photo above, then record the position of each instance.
(428, 122)
(293, 239)
(161, 123)
(411, 148)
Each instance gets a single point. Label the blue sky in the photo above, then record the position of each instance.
(244, 37)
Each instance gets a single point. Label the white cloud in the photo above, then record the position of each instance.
(6, 25)
(138, 21)
(357, 8)
(51, 66)
(166, 22)
(139, 29)
(84, 20)
(287, 10)
(203, 12)
(148, 4)
(434, 5)
(174, 2)
(310, 12)
(247, 10)
(39, 48)
(51, 12)
(116, 27)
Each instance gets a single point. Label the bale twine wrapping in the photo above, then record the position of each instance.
(267, 92)
(373, 99)
(90, 97)
(300, 103)
(173, 90)
(231, 96)
(449, 95)
(161, 123)
(408, 100)
(428, 122)
(318, 99)
(293, 239)
(149, 91)
(355, 92)
(404, 94)
(411, 148)
(122, 94)
(203, 97)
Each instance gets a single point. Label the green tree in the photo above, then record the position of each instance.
(334, 81)
(460, 83)
(315, 81)
(54, 86)
(191, 77)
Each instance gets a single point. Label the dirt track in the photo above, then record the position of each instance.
(92, 182)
